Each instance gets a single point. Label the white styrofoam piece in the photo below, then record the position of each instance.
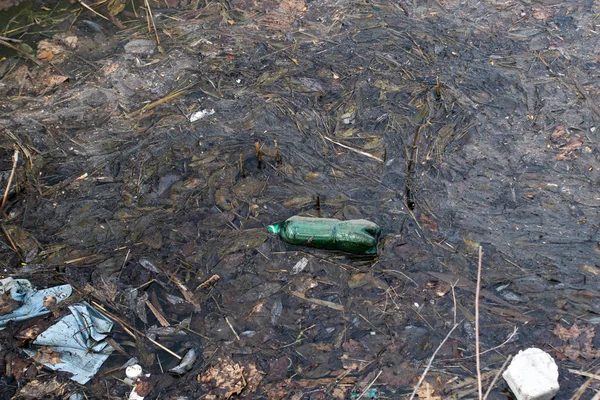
(532, 375)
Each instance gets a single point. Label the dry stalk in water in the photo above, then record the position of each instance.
(242, 171)
(477, 358)
(418, 385)
(258, 154)
(15, 159)
(496, 377)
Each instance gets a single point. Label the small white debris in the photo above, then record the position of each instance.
(198, 115)
(300, 265)
(141, 47)
(133, 371)
(532, 375)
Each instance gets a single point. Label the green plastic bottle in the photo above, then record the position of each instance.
(357, 236)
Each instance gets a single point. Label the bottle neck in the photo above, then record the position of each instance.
(274, 229)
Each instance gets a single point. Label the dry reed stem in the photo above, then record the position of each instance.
(477, 358)
(412, 396)
(369, 386)
(584, 386)
(487, 392)
(150, 18)
(15, 159)
(242, 171)
(353, 149)
(131, 331)
(232, 329)
(584, 373)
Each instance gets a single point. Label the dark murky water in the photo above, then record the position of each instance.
(475, 110)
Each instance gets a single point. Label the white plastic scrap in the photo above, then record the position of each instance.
(78, 339)
(532, 375)
(22, 291)
(300, 265)
(198, 115)
(133, 371)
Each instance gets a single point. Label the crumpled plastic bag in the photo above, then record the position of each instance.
(22, 291)
(78, 339)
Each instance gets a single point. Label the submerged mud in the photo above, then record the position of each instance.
(450, 125)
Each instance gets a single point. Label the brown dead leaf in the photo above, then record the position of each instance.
(440, 288)
(35, 390)
(278, 390)
(7, 303)
(51, 304)
(45, 355)
(109, 69)
(35, 81)
(105, 290)
(66, 39)
(253, 378)
(541, 12)
(357, 280)
(568, 150)
(227, 378)
(30, 333)
(426, 391)
(18, 367)
(429, 223)
(147, 385)
(278, 368)
(292, 6)
(47, 50)
(558, 132)
(578, 342)
(303, 283)
(567, 143)
(565, 334)
(45, 55)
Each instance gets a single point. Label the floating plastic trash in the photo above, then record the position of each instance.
(357, 236)
(187, 362)
(532, 375)
(78, 339)
(22, 291)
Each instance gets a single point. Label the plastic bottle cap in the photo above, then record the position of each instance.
(274, 228)
(133, 371)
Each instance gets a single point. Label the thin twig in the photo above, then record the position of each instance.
(454, 300)
(477, 358)
(584, 373)
(150, 17)
(15, 159)
(231, 327)
(130, 330)
(508, 339)
(18, 50)
(91, 9)
(369, 386)
(487, 392)
(584, 386)
(353, 149)
(414, 393)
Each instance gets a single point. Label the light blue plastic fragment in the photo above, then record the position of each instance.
(78, 339)
(22, 291)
